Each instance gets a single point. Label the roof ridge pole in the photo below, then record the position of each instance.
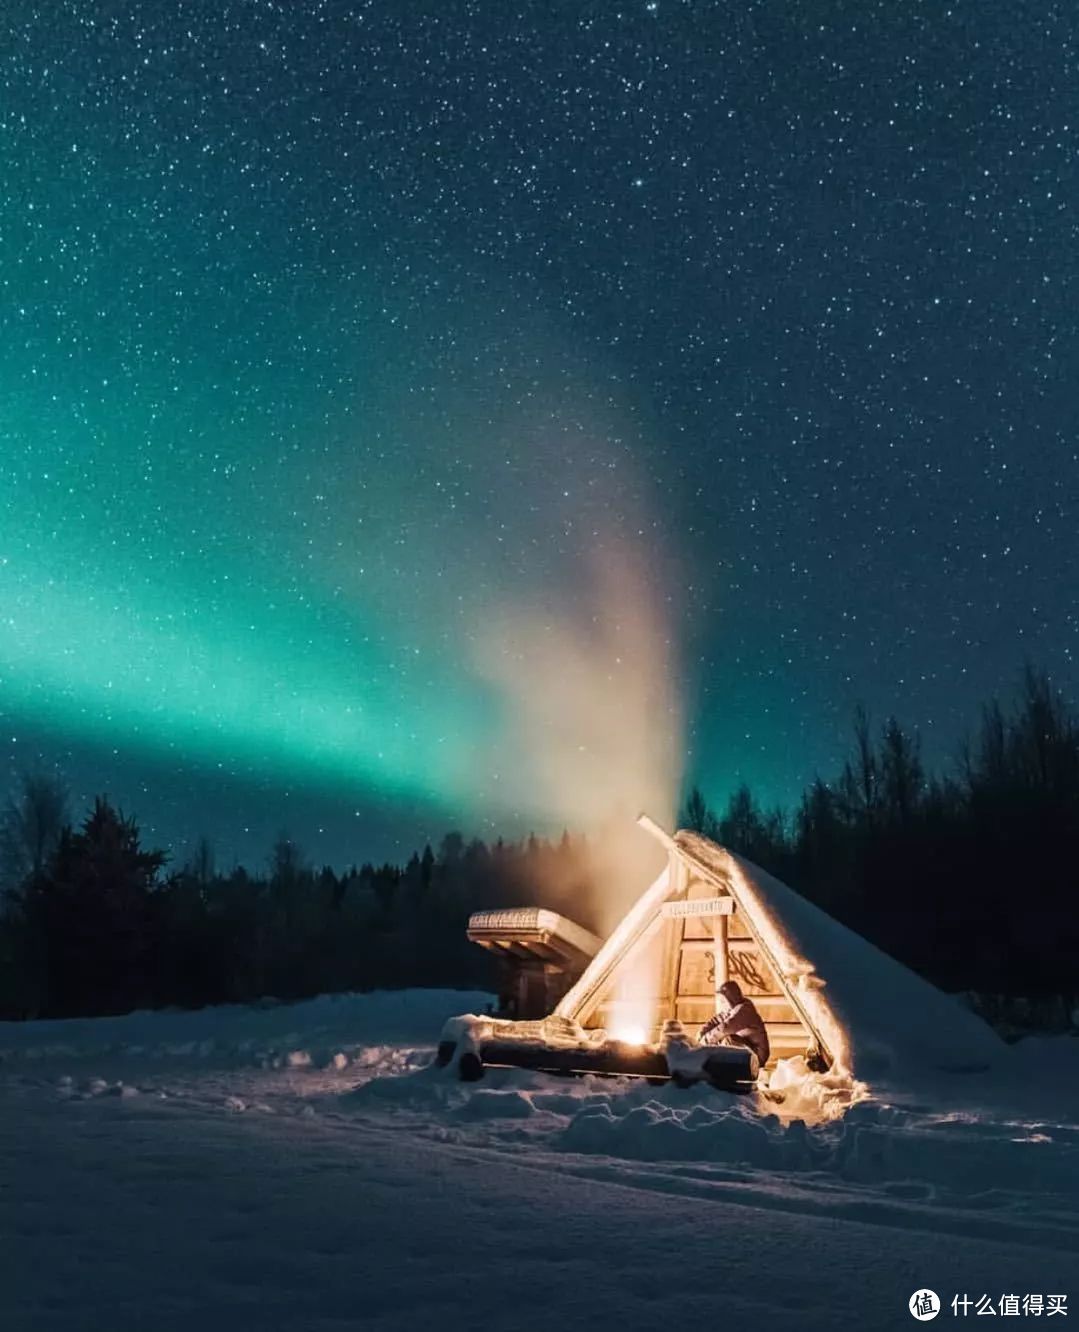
(676, 862)
(660, 834)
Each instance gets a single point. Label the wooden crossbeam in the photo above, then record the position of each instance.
(708, 945)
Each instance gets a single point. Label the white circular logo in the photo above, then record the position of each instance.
(924, 1305)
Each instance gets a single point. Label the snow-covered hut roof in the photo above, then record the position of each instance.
(874, 1014)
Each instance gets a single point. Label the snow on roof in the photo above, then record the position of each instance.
(875, 1015)
(511, 921)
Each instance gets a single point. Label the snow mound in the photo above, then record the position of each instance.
(796, 1092)
(982, 1163)
(489, 1103)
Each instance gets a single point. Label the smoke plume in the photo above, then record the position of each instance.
(590, 728)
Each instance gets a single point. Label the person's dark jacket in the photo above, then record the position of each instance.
(741, 1024)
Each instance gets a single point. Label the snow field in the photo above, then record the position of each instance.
(306, 1166)
(312, 1059)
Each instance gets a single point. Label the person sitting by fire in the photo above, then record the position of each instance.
(740, 1024)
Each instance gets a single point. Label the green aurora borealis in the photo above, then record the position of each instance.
(334, 335)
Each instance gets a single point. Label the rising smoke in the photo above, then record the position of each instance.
(590, 731)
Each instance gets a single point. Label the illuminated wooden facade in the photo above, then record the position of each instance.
(691, 931)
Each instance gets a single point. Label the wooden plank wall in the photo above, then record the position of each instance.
(695, 1002)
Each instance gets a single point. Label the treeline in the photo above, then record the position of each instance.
(93, 923)
(968, 877)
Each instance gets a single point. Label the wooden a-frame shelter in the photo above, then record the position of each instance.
(823, 991)
(702, 922)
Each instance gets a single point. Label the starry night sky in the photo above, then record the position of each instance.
(331, 330)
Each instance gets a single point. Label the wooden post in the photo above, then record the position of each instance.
(719, 954)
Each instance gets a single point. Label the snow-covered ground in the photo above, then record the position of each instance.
(305, 1167)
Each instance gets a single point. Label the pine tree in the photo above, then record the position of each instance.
(92, 910)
